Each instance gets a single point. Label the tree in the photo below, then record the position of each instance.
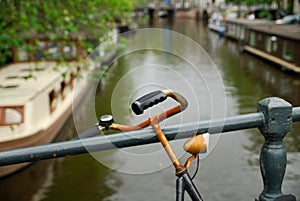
(56, 19)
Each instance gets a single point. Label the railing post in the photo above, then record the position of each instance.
(277, 123)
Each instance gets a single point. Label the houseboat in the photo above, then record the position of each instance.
(217, 23)
(37, 92)
(235, 28)
(279, 44)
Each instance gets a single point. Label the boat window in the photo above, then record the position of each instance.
(72, 79)
(11, 115)
(70, 51)
(12, 77)
(52, 100)
(287, 50)
(237, 32)
(268, 44)
(10, 86)
(242, 33)
(40, 51)
(229, 28)
(274, 43)
(259, 37)
(62, 89)
(25, 69)
(22, 54)
(54, 51)
(252, 38)
(39, 68)
(271, 44)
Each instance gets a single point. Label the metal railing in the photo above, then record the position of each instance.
(274, 119)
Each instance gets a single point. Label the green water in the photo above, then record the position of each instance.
(231, 170)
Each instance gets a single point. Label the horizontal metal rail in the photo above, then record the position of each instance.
(296, 114)
(274, 119)
(135, 138)
(121, 140)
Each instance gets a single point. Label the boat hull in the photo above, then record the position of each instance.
(41, 137)
(219, 29)
(276, 60)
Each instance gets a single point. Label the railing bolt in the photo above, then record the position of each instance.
(277, 123)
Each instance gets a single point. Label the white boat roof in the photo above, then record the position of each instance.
(250, 22)
(16, 90)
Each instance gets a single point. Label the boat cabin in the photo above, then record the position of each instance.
(33, 95)
(277, 43)
(42, 49)
(40, 87)
(235, 28)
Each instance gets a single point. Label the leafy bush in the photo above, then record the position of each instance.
(265, 14)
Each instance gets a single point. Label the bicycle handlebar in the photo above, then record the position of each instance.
(155, 97)
(147, 101)
(194, 146)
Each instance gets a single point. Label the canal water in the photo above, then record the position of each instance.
(217, 80)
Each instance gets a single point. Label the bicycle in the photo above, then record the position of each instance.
(195, 145)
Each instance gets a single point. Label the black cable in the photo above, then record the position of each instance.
(197, 168)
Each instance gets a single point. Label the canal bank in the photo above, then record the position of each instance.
(230, 172)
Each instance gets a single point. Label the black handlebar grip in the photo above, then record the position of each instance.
(147, 101)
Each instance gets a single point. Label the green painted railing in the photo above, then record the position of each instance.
(274, 119)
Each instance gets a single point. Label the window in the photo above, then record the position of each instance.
(274, 43)
(40, 50)
(54, 51)
(52, 100)
(259, 37)
(268, 44)
(238, 30)
(72, 79)
(252, 40)
(22, 54)
(234, 28)
(11, 115)
(62, 89)
(70, 51)
(242, 33)
(287, 50)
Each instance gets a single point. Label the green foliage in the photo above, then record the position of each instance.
(250, 2)
(56, 19)
(265, 14)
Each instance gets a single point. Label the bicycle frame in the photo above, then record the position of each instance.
(184, 181)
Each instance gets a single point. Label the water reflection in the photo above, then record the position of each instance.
(22, 185)
(250, 80)
(231, 172)
(79, 178)
(160, 59)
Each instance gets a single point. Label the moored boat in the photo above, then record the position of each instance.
(279, 44)
(37, 93)
(217, 23)
(35, 100)
(236, 28)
